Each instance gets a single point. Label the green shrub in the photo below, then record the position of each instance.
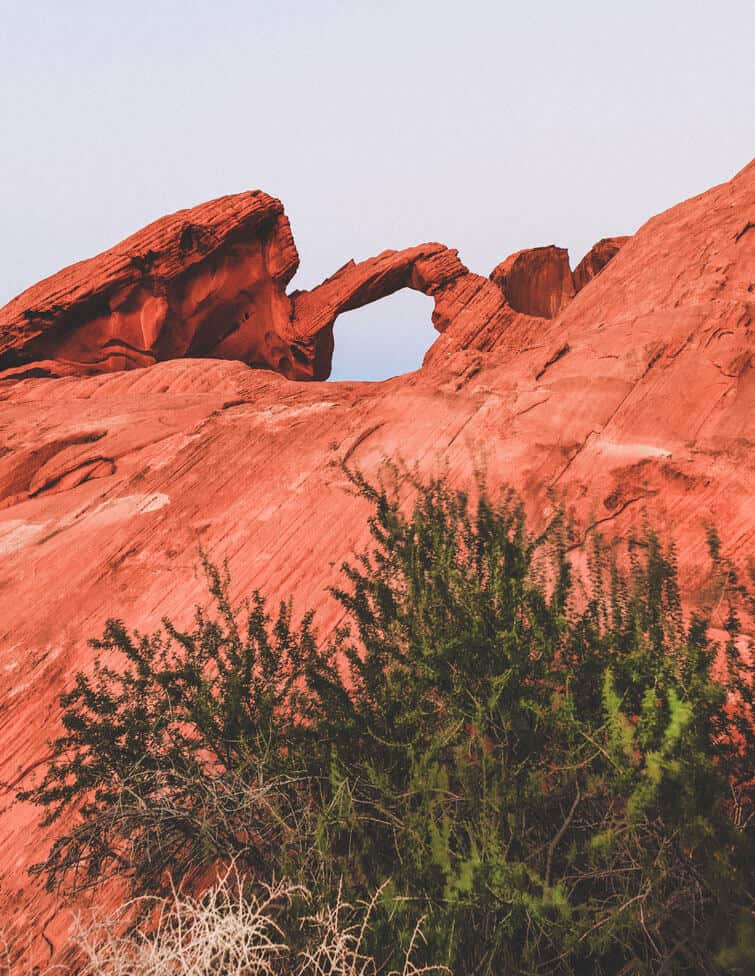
(557, 782)
(180, 749)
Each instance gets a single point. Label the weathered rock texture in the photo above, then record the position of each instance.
(537, 281)
(638, 397)
(596, 259)
(211, 282)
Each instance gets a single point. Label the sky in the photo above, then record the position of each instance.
(487, 125)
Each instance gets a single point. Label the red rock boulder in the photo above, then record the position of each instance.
(536, 281)
(596, 259)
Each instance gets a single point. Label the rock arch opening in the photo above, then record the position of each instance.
(384, 338)
(213, 282)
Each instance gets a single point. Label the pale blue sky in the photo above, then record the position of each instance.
(489, 126)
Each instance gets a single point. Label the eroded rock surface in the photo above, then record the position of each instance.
(211, 282)
(635, 400)
(537, 281)
(596, 259)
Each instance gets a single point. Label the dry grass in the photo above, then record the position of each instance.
(337, 945)
(227, 931)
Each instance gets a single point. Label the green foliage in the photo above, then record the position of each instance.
(179, 748)
(556, 783)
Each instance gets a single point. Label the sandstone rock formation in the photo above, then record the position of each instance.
(596, 259)
(537, 281)
(211, 282)
(637, 397)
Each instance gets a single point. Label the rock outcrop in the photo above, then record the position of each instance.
(596, 259)
(636, 398)
(211, 282)
(537, 281)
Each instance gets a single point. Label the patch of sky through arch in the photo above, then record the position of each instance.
(383, 339)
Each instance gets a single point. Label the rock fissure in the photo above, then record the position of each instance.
(99, 466)
(611, 518)
(360, 439)
(532, 406)
(574, 454)
(559, 354)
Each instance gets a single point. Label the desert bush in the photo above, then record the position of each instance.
(234, 928)
(228, 929)
(557, 781)
(186, 750)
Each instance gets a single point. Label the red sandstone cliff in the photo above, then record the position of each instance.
(626, 387)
